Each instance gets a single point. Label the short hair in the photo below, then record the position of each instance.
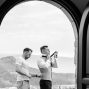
(43, 47)
(27, 49)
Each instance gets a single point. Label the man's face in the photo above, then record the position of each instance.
(27, 54)
(46, 51)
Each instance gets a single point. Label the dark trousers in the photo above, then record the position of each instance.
(45, 84)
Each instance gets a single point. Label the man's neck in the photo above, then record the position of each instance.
(46, 57)
(25, 58)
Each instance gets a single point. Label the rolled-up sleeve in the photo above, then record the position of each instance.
(43, 64)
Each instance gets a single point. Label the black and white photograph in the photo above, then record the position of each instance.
(44, 44)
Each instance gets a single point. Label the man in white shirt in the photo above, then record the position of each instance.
(22, 69)
(45, 65)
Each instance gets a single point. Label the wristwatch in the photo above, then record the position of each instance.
(36, 75)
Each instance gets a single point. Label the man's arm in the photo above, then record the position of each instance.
(54, 60)
(54, 63)
(21, 71)
(36, 75)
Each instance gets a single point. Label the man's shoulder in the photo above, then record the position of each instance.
(40, 60)
(19, 59)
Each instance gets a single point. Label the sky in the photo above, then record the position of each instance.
(34, 24)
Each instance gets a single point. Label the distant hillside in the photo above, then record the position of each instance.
(8, 76)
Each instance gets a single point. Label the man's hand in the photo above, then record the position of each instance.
(29, 75)
(39, 76)
(35, 75)
(55, 54)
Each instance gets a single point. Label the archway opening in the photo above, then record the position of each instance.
(36, 23)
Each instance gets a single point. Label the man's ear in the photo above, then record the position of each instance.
(42, 51)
